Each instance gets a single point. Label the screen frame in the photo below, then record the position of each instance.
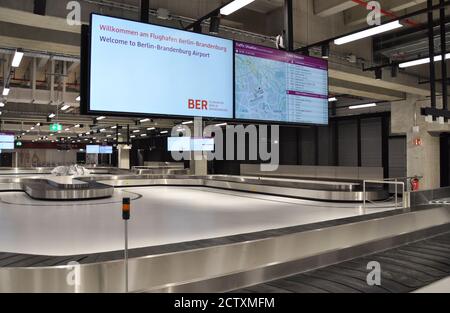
(272, 122)
(85, 102)
(107, 153)
(169, 138)
(86, 85)
(93, 146)
(191, 144)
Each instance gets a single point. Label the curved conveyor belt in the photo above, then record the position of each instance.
(97, 187)
(44, 189)
(403, 269)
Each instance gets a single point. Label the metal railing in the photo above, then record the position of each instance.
(387, 182)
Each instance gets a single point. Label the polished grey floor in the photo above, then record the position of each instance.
(160, 215)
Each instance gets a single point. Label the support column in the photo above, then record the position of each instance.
(198, 163)
(424, 159)
(123, 158)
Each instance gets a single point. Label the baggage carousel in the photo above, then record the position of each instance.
(188, 233)
(404, 269)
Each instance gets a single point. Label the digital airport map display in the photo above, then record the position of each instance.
(274, 85)
(139, 68)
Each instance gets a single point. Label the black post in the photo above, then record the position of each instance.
(128, 135)
(299, 145)
(444, 149)
(145, 11)
(289, 25)
(359, 141)
(431, 53)
(316, 145)
(126, 206)
(39, 7)
(335, 149)
(443, 53)
(385, 145)
(84, 53)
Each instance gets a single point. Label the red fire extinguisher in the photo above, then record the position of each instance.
(415, 185)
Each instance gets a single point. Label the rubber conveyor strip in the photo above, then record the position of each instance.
(403, 269)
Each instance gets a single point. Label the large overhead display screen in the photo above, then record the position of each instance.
(273, 85)
(139, 68)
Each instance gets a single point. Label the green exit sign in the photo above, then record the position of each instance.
(55, 127)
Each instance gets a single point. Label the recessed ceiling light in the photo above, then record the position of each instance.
(422, 61)
(362, 106)
(234, 6)
(17, 59)
(368, 32)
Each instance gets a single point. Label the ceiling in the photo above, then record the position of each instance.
(52, 58)
(265, 6)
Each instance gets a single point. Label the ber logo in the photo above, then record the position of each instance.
(197, 104)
